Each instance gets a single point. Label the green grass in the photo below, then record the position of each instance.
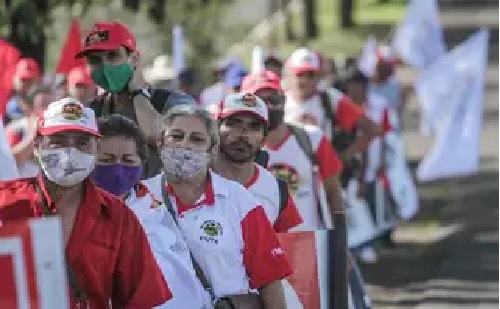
(369, 16)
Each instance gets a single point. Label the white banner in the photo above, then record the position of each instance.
(257, 59)
(419, 38)
(368, 60)
(8, 167)
(451, 95)
(32, 265)
(178, 49)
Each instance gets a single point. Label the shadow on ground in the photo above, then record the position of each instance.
(469, 254)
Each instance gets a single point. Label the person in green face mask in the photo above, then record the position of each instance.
(111, 53)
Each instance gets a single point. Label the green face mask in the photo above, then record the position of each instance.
(113, 78)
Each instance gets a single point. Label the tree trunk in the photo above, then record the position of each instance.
(310, 26)
(24, 34)
(346, 8)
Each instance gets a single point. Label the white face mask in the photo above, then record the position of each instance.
(184, 163)
(66, 166)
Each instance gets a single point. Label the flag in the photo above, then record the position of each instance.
(257, 60)
(9, 56)
(32, 265)
(71, 47)
(451, 96)
(368, 60)
(178, 49)
(8, 167)
(418, 40)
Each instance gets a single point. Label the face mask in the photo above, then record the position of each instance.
(183, 163)
(113, 78)
(66, 166)
(116, 178)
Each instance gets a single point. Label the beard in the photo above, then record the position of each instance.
(239, 151)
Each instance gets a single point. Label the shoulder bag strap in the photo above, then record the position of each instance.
(197, 268)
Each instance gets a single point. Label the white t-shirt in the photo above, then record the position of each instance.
(264, 187)
(311, 112)
(169, 249)
(230, 236)
(288, 161)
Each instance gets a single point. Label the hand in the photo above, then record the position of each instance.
(137, 81)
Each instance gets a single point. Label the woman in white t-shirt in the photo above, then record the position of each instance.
(122, 151)
(226, 230)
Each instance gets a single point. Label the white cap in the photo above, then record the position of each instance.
(68, 114)
(241, 103)
(161, 70)
(302, 60)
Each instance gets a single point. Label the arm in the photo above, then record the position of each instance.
(348, 116)
(273, 295)
(368, 131)
(262, 247)
(289, 217)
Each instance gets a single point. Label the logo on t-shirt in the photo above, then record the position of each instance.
(212, 230)
(308, 119)
(288, 174)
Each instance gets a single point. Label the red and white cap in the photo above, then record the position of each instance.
(303, 60)
(27, 69)
(68, 114)
(261, 80)
(107, 36)
(79, 76)
(242, 103)
(21, 133)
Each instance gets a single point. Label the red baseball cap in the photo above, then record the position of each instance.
(27, 68)
(303, 60)
(79, 76)
(107, 36)
(261, 80)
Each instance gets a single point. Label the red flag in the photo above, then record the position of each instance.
(9, 56)
(70, 48)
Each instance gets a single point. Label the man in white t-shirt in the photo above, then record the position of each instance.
(243, 122)
(289, 162)
(331, 110)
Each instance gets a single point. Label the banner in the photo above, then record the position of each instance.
(178, 49)
(419, 38)
(451, 97)
(32, 265)
(310, 285)
(368, 61)
(8, 166)
(71, 47)
(257, 60)
(361, 227)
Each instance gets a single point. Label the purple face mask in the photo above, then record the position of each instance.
(116, 178)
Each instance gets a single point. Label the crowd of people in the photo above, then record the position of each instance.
(173, 198)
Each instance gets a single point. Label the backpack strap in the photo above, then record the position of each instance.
(326, 104)
(283, 189)
(304, 142)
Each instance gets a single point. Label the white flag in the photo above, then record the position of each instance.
(419, 38)
(178, 49)
(257, 59)
(8, 167)
(368, 60)
(451, 95)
